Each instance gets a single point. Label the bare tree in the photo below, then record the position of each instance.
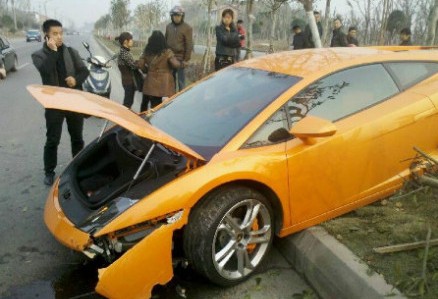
(148, 16)
(387, 6)
(250, 17)
(308, 7)
(326, 25)
(365, 8)
(273, 6)
(432, 24)
(206, 60)
(119, 13)
(14, 14)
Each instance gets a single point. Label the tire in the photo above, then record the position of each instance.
(14, 67)
(2, 73)
(220, 240)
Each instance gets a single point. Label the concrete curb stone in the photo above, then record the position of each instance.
(332, 269)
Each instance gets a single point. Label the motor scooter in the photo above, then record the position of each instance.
(98, 82)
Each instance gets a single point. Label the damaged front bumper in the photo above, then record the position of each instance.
(135, 272)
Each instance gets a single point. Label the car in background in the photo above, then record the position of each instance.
(33, 35)
(8, 58)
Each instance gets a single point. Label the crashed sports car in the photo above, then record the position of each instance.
(263, 148)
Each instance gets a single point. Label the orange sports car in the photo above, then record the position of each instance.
(266, 147)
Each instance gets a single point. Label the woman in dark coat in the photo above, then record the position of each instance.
(228, 41)
(159, 62)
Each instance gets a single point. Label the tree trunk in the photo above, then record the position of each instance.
(432, 24)
(384, 21)
(274, 14)
(207, 53)
(14, 14)
(250, 18)
(308, 7)
(326, 23)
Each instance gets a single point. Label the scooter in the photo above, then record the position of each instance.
(98, 82)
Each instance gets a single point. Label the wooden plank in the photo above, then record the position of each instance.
(404, 247)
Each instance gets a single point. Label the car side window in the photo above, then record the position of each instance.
(264, 135)
(343, 93)
(409, 73)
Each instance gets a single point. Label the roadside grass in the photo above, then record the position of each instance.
(394, 221)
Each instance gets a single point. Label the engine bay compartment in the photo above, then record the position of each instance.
(120, 164)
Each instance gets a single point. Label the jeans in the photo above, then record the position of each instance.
(54, 121)
(155, 101)
(129, 95)
(180, 79)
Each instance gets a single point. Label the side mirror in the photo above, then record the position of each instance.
(86, 45)
(312, 127)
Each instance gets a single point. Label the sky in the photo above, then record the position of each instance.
(88, 11)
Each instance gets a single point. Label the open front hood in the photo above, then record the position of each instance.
(87, 103)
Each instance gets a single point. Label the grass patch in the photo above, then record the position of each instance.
(389, 222)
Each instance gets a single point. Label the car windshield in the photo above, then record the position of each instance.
(33, 32)
(208, 115)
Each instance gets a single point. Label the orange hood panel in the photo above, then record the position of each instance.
(67, 99)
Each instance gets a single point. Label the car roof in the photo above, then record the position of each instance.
(305, 63)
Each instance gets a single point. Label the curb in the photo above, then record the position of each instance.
(332, 269)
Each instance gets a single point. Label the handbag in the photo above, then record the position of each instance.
(138, 80)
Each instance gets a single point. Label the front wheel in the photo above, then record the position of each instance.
(229, 234)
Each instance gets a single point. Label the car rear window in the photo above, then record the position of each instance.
(208, 115)
(408, 74)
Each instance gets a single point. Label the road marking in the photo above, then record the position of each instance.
(23, 65)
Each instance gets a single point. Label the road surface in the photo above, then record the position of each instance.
(32, 263)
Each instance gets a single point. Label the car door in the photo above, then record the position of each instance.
(377, 126)
(7, 54)
(2, 53)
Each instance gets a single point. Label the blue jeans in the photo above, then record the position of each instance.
(180, 79)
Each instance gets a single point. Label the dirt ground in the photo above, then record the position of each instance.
(402, 218)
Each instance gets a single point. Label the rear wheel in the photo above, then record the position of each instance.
(15, 66)
(229, 234)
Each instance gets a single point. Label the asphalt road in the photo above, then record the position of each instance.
(32, 263)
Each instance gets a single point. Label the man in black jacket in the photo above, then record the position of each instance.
(299, 41)
(62, 66)
(339, 38)
(405, 37)
(352, 37)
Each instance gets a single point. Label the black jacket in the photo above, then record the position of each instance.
(352, 41)
(227, 42)
(406, 43)
(46, 61)
(309, 36)
(339, 39)
(299, 41)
